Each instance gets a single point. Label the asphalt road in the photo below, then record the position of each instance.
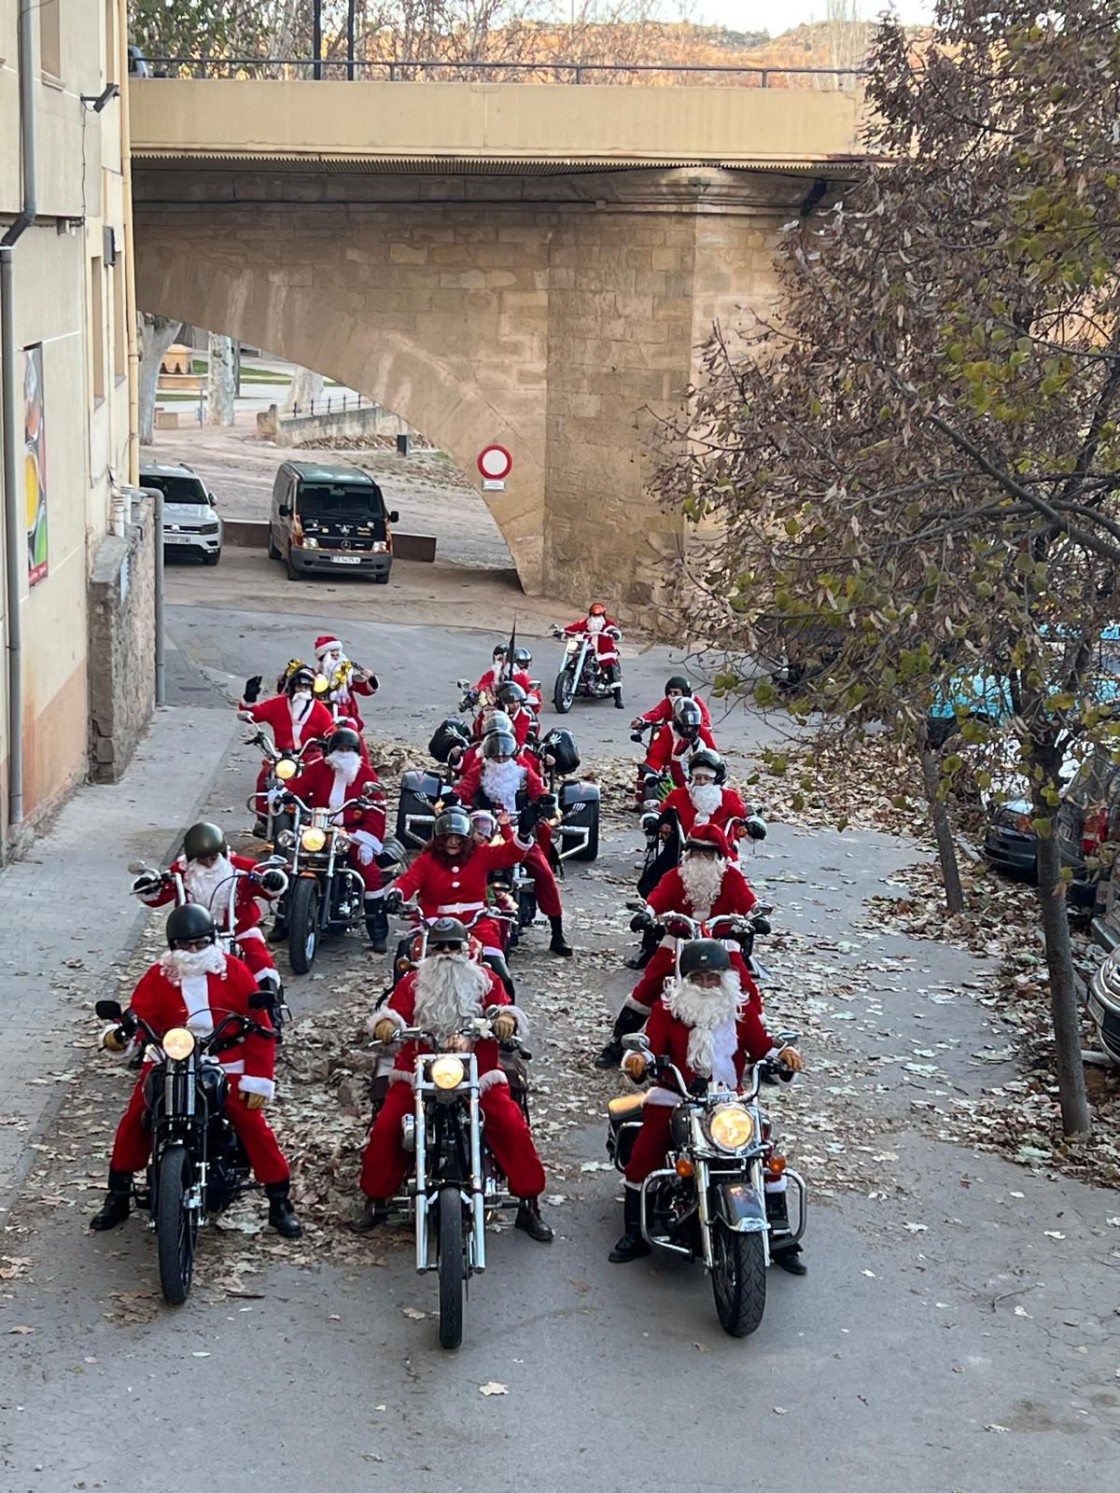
(958, 1329)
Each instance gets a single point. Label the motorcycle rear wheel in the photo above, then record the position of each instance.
(303, 924)
(564, 691)
(452, 1268)
(176, 1225)
(738, 1279)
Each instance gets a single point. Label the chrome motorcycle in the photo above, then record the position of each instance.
(581, 673)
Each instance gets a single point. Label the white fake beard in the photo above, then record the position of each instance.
(300, 704)
(182, 964)
(501, 781)
(449, 991)
(595, 624)
(347, 764)
(331, 662)
(706, 799)
(705, 1011)
(209, 886)
(702, 877)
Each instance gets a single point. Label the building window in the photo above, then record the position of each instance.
(112, 62)
(97, 327)
(50, 38)
(120, 332)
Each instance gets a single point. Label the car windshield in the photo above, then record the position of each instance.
(339, 500)
(176, 489)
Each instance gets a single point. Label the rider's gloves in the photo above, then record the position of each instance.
(254, 1101)
(504, 1026)
(634, 1066)
(273, 881)
(755, 827)
(450, 799)
(640, 922)
(393, 900)
(385, 1030)
(527, 820)
(547, 805)
(792, 1059)
(252, 691)
(145, 884)
(113, 1039)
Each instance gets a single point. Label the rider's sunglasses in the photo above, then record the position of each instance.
(445, 948)
(207, 860)
(193, 945)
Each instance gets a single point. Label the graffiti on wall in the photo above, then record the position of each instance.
(35, 464)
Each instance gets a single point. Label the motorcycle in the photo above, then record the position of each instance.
(1102, 1001)
(413, 945)
(581, 672)
(709, 1201)
(455, 1182)
(576, 835)
(324, 893)
(283, 767)
(198, 1166)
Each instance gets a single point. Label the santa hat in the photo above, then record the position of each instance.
(707, 837)
(324, 645)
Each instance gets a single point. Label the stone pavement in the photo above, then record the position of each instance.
(67, 917)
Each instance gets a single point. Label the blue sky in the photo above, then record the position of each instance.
(777, 16)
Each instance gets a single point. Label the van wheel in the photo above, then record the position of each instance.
(212, 559)
(273, 552)
(382, 579)
(293, 573)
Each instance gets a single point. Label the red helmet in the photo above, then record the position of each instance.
(596, 609)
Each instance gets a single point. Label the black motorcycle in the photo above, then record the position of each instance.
(198, 1166)
(581, 673)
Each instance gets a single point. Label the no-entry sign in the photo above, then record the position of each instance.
(495, 462)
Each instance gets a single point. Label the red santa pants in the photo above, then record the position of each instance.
(548, 893)
(133, 1144)
(385, 1161)
(254, 950)
(652, 1144)
(649, 987)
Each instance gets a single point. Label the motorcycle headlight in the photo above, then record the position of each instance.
(447, 1073)
(313, 839)
(285, 769)
(572, 645)
(286, 839)
(178, 1043)
(730, 1127)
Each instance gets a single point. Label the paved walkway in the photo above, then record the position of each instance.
(67, 916)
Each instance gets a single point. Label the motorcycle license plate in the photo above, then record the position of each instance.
(347, 559)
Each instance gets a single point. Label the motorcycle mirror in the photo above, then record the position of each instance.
(462, 684)
(109, 1010)
(635, 1042)
(137, 868)
(786, 1039)
(764, 909)
(761, 925)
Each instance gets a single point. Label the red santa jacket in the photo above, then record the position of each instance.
(457, 890)
(662, 713)
(679, 803)
(247, 913)
(402, 1009)
(523, 723)
(668, 751)
(668, 1038)
(344, 701)
(202, 1002)
(290, 735)
(469, 787)
(606, 646)
(735, 896)
(321, 787)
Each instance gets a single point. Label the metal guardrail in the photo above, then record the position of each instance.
(402, 71)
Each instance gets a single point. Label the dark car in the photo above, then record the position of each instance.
(330, 517)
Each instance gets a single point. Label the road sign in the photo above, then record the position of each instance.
(495, 462)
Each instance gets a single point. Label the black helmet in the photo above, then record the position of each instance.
(678, 682)
(188, 924)
(705, 757)
(203, 840)
(498, 744)
(511, 695)
(301, 678)
(686, 717)
(447, 930)
(522, 657)
(496, 720)
(453, 821)
(704, 955)
(344, 740)
(501, 650)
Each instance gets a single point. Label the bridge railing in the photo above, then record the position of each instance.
(411, 71)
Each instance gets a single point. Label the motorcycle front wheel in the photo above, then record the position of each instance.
(564, 691)
(738, 1279)
(303, 924)
(452, 1269)
(176, 1225)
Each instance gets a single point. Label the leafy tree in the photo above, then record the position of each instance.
(914, 476)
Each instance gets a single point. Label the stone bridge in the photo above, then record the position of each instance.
(528, 264)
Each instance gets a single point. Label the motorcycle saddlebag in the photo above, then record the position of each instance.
(419, 790)
(561, 745)
(624, 1115)
(449, 733)
(578, 793)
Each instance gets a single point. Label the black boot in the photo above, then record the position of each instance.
(630, 1019)
(373, 1213)
(559, 944)
(631, 1246)
(281, 1214)
(786, 1256)
(115, 1208)
(377, 925)
(650, 945)
(530, 1221)
(260, 830)
(279, 931)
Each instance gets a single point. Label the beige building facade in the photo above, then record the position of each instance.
(69, 376)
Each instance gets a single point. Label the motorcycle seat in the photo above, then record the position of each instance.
(625, 1108)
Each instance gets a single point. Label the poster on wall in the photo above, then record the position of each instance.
(35, 464)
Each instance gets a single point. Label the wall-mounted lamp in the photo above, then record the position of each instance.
(97, 101)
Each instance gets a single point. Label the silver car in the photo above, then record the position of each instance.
(190, 518)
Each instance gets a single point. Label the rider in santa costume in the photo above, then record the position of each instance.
(207, 868)
(329, 783)
(605, 633)
(511, 706)
(677, 687)
(447, 991)
(674, 743)
(197, 986)
(706, 884)
(347, 679)
(295, 716)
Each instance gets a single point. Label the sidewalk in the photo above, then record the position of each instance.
(67, 917)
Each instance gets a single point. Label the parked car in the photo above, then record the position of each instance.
(191, 524)
(324, 517)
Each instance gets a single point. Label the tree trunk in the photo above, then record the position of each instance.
(1063, 989)
(942, 829)
(157, 333)
(220, 381)
(306, 388)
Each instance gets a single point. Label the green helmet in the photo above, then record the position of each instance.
(203, 840)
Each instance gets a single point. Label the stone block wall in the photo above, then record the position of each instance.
(121, 658)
